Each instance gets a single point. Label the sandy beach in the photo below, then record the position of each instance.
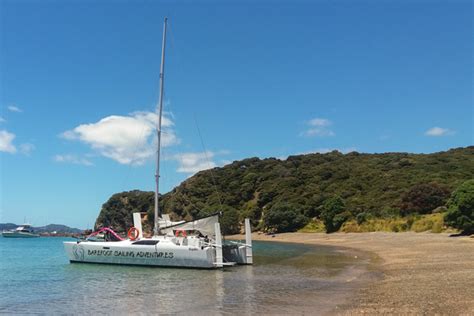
(422, 273)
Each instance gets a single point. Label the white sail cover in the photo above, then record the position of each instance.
(204, 225)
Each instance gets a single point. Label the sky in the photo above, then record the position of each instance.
(79, 88)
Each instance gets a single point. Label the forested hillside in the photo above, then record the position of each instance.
(284, 195)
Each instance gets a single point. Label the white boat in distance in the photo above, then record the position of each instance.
(23, 231)
(194, 244)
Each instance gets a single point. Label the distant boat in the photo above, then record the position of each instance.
(23, 231)
(194, 244)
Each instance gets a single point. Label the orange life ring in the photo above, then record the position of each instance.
(180, 231)
(133, 233)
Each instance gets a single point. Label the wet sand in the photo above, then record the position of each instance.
(422, 273)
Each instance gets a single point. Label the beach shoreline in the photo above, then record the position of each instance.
(423, 273)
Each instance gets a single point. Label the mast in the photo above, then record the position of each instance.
(158, 131)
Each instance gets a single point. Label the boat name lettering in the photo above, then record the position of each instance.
(102, 253)
(131, 254)
(119, 253)
(145, 254)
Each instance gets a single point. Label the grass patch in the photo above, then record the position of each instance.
(421, 223)
(314, 226)
(431, 222)
(376, 225)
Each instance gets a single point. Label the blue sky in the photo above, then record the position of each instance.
(79, 85)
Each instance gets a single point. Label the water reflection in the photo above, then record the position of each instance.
(285, 279)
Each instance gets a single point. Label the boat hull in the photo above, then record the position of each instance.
(19, 235)
(235, 253)
(125, 253)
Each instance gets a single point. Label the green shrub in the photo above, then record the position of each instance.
(340, 219)
(461, 208)
(361, 217)
(333, 214)
(229, 221)
(284, 218)
(254, 213)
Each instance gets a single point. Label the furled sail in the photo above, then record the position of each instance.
(204, 225)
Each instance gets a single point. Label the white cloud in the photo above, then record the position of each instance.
(13, 108)
(69, 158)
(439, 131)
(318, 127)
(2, 120)
(193, 162)
(27, 148)
(126, 139)
(320, 122)
(6, 142)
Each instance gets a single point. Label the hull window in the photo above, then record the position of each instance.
(146, 242)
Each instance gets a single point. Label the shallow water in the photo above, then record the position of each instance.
(36, 277)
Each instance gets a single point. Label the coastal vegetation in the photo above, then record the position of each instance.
(117, 211)
(461, 208)
(417, 223)
(319, 192)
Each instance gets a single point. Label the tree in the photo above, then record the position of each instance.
(117, 211)
(230, 221)
(461, 208)
(423, 198)
(361, 218)
(283, 217)
(333, 214)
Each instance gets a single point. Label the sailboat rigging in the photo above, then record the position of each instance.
(158, 129)
(193, 244)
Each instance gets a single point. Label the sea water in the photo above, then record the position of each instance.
(36, 277)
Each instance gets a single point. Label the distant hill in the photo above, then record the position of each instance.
(372, 184)
(60, 229)
(7, 226)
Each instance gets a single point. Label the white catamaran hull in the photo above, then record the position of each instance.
(125, 253)
(167, 250)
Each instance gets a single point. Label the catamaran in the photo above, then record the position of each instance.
(192, 244)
